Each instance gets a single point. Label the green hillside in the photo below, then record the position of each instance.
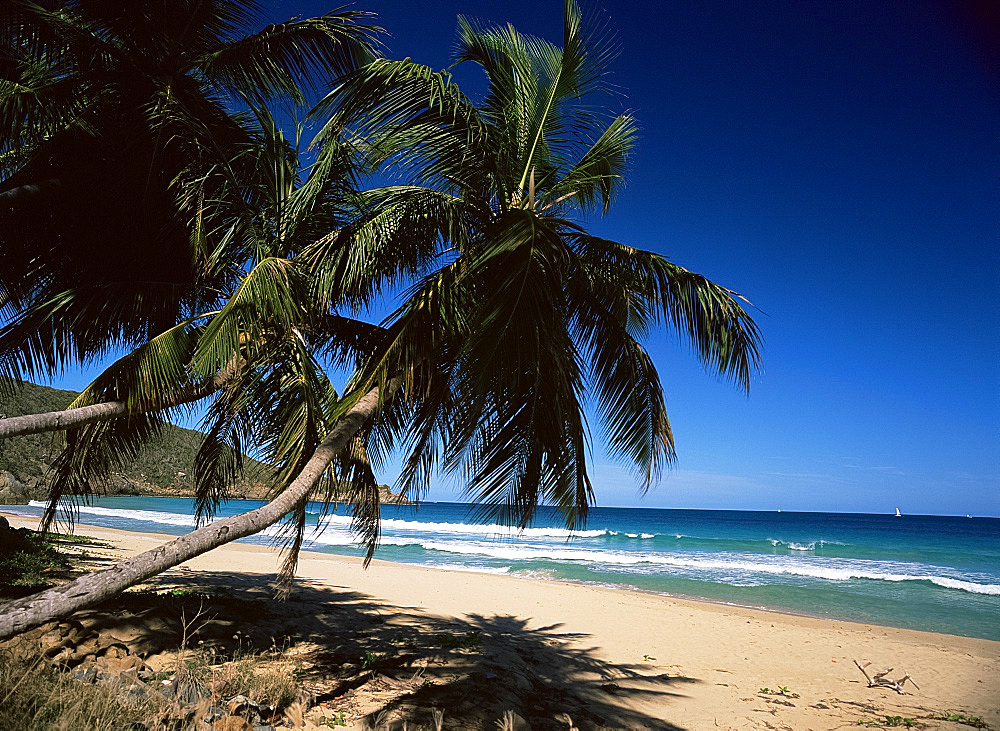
(164, 468)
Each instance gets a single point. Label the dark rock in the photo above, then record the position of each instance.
(168, 689)
(13, 491)
(191, 692)
(135, 692)
(241, 706)
(86, 675)
(269, 714)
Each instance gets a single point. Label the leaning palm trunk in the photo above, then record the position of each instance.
(90, 589)
(16, 426)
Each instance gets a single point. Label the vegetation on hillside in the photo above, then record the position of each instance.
(165, 466)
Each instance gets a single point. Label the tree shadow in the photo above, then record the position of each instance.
(368, 658)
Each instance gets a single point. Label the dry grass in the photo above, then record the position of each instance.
(33, 695)
(264, 678)
(271, 683)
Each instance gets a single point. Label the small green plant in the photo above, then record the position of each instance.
(194, 666)
(246, 675)
(73, 539)
(467, 641)
(974, 721)
(337, 720)
(29, 559)
(780, 690)
(888, 721)
(372, 659)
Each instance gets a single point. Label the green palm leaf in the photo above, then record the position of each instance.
(275, 61)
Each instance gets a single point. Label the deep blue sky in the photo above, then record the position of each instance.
(837, 163)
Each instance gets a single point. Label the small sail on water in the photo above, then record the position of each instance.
(898, 514)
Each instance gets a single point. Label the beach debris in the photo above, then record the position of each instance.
(437, 714)
(511, 721)
(295, 715)
(880, 680)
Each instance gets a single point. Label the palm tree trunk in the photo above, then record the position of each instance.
(31, 190)
(16, 426)
(60, 601)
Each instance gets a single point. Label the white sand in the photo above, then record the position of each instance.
(693, 664)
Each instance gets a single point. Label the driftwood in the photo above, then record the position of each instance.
(879, 680)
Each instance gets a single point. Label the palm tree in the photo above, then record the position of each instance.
(516, 314)
(519, 314)
(272, 396)
(142, 215)
(130, 192)
(115, 130)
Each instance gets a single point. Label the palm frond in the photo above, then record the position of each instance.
(78, 326)
(623, 377)
(271, 62)
(377, 107)
(268, 300)
(90, 459)
(600, 171)
(397, 234)
(708, 315)
(513, 97)
(294, 535)
(219, 463)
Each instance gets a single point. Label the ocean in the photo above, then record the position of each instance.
(935, 573)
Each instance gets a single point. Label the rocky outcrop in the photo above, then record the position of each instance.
(15, 492)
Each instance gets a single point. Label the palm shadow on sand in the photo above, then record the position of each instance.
(390, 664)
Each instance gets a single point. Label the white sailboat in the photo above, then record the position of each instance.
(898, 514)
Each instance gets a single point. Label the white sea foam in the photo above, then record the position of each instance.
(147, 516)
(344, 521)
(490, 530)
(810, 546)
(470, 569)
(799, 547)
(535, 574)
(745, 565)
(740, 568)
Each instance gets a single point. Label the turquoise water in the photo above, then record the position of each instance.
(934, 573)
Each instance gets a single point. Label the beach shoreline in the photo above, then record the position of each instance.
(686, 662)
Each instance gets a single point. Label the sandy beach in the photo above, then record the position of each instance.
(632, 659)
